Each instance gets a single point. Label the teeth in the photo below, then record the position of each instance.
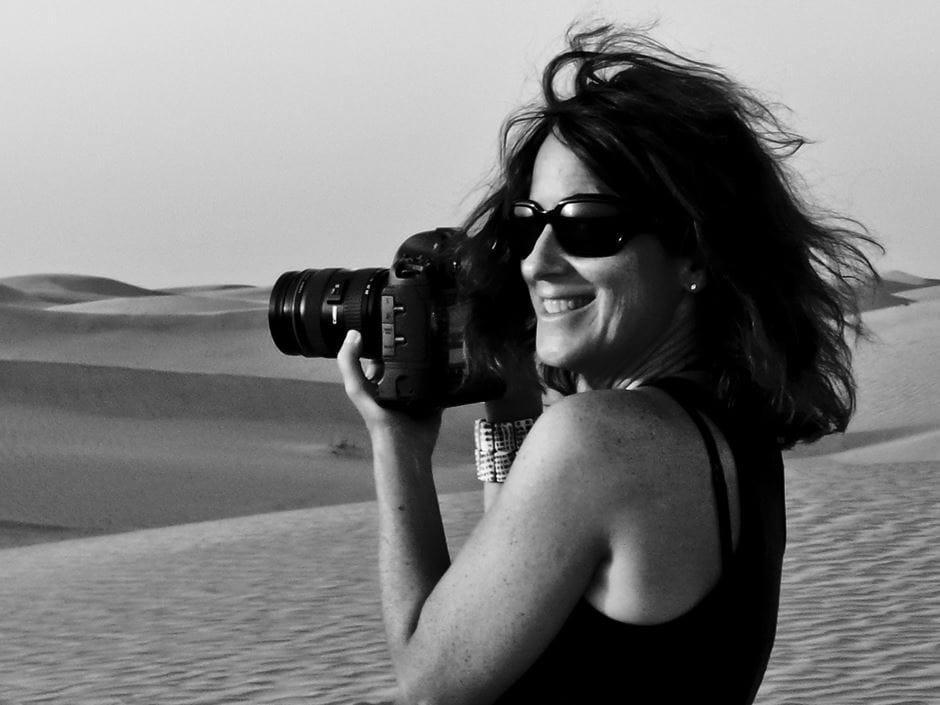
(561, 305)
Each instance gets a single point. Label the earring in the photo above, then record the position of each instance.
(693, 287)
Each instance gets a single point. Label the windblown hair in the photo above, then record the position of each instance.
(680, 137)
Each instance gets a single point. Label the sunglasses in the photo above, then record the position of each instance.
(586, 225)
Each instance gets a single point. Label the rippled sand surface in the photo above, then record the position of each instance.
(283, 607)
(860, 605)
(275, 608)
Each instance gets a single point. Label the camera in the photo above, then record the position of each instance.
(410, 317)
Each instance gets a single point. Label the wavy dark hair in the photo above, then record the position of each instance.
(783, 276)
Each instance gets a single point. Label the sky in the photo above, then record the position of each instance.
(174, 143)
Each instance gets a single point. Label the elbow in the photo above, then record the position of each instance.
(412, 693)
(422, 686)
(432, 674)
(414, 686)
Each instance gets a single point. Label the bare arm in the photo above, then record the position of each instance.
(412, 547)
(494, 610)
(462, 633)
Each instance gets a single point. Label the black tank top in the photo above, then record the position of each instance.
(717, 651)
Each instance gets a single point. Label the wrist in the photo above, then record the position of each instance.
(394, 440)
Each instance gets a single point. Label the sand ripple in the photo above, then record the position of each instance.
(282, 608)
(269, 609)
(860, 607)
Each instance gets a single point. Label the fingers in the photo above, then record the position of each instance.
(419, 429)
(360, 385)
(347, 358)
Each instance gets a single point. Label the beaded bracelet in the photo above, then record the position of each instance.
(496, 444)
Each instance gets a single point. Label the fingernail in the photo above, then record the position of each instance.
(353, 336)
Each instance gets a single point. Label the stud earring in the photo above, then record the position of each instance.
(693, 287)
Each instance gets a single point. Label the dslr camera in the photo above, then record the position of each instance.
(410, 317)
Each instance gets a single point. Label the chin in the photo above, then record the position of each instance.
(566, 359)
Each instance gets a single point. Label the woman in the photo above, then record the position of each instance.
(646, 243)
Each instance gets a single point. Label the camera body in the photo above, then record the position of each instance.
(410, 317)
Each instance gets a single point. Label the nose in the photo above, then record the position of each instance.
(546, 258)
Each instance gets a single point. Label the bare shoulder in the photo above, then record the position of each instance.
(620, 479)
(609, 436)
(632, 422)
(634, 466)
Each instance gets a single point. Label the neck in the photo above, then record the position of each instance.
(674, 352)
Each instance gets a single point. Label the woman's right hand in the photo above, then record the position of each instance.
(418, 432)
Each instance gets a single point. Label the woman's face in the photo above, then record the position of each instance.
(596, 316)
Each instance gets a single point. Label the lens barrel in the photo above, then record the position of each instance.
(310, 311)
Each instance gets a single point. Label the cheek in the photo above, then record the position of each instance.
(630, 308)
(617, 316)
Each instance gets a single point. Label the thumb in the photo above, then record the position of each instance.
(348, 360)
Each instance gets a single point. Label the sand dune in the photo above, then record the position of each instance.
(108, 390)
(166, 304)
(284, 607)
(94, 321)
(12, 296)
(898, 376)
(321, 409)
(913, 447)
(125, 392)
(896, 289)
(125, 411)
(898, 370)
(172, 414)
(213, 340)
(92, 448)
(254, 294)
(926, 293)
(903, 280)
(71, 288)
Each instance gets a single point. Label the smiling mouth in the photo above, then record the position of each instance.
(555, 306)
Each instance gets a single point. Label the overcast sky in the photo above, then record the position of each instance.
(192, 142)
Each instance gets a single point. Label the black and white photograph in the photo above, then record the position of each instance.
(497, 352)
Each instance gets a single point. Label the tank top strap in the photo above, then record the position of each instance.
(691, 398)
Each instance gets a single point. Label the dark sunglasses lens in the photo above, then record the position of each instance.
(590, 228)
(583, 228)
(591, 209)
(590, 237)
(525, 226)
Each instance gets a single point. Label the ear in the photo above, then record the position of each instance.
(692, 276)
(691, 262)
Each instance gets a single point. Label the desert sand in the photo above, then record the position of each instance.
(186, 514)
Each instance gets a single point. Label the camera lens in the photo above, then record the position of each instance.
(310, 311)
